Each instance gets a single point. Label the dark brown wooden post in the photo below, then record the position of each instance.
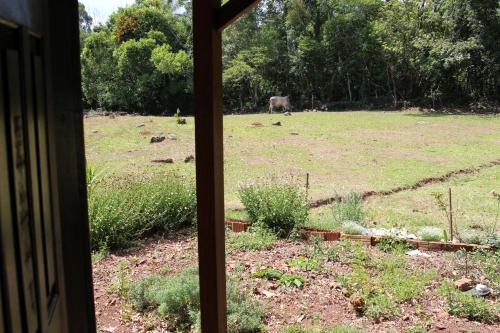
(209, 19)
(209, 165)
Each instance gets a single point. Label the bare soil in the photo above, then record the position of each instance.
(320, 302)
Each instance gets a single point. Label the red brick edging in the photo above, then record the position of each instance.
(333, 235)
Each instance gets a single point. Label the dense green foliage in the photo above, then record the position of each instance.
(320, 52)
(121, 215)
(177, 299)
(279, 207)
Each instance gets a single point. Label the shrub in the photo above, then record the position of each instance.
(279, 207)
(177, 299)
(465, 305)
(350, 208)
(430, 233)
(120, 215)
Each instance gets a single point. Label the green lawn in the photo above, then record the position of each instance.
(342, 152)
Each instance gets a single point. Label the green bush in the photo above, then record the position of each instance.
(280, 207)
(430, 234)
(468, 306)
(258, 239)
(349, 208)
(177, 299)
(120, 215)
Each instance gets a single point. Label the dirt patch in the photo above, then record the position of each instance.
(321, 301)
(145, 133)
(421, 183)
(257, 124)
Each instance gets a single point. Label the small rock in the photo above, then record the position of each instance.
(141, 125)
(278, 123)
(158, 138)
(189, 158)
(464, 284)
(163, 160)
(293, 133)
(287, 113)
(95, 131)
(171, 136)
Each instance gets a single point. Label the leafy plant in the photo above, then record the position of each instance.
(465, 305)
(349, 208)
(393, 244)
(287, 280)
(307, 264)
(279, 207)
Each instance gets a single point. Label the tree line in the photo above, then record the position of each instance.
(321, 53)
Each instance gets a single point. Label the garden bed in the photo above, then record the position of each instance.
(324, 299)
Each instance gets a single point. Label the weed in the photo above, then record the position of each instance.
(258, 239)
(307, 264)
(287, 280)
(350, 208)
(178, 119)
(121, 282)
(280, 207)
(99, 255)
(393, 244)
(465, 305)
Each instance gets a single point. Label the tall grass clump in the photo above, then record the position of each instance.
(280, 207)
(122, 214)
(348, 213)
(176, 298)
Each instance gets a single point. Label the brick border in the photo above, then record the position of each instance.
(333, 235)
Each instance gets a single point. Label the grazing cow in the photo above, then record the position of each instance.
(279, 102)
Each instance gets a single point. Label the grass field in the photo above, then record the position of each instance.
(342, 152)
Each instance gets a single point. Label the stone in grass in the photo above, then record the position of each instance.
(189, 158)
(141, 125)
(171, 136)
(157, 139)
(463, 284)
(278, 123)
(287, 113)
(163, 160)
